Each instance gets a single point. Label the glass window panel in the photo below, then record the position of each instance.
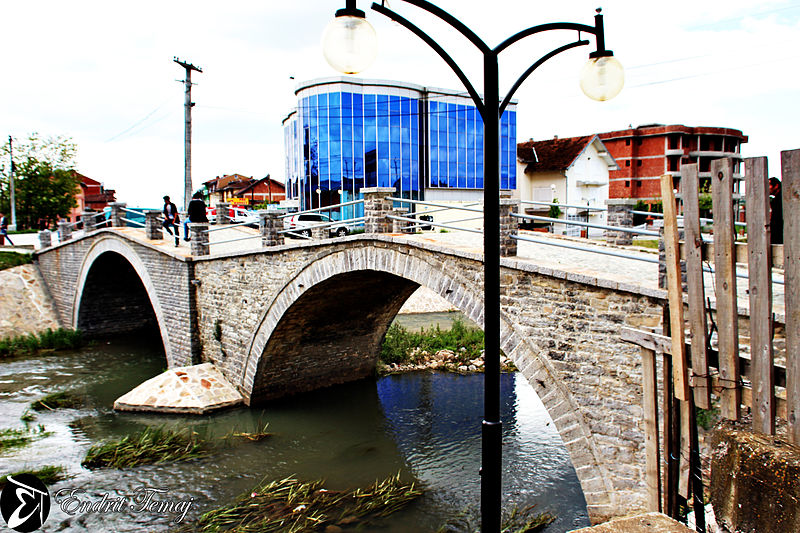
(334, 100)
(324, 169)
(383, 173)
(382, 110)
(395, 134)
(334, 149)
(452, 174)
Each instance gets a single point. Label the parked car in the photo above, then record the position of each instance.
(301, 224)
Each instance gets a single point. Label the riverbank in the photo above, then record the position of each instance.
(25, 305)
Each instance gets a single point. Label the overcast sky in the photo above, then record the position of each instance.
(101, 73)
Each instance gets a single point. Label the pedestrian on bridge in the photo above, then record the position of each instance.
(171, 220)
(196, 213)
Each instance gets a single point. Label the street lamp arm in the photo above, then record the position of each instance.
(446, 17)
(439, 50)
(533, 67)
(541, 28)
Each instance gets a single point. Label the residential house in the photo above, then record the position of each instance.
(572, 171)
(92, 195)
(243, 191)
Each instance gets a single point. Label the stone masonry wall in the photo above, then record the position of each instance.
(562, 331)
(164, 276)
(25, 306)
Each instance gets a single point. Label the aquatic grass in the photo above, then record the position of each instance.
(292, 506)
(47, 474)
(149, 446)
(12, 259)
(57, 400)
(48, 340)
(513, 520)
(11, 438)
(400, 344)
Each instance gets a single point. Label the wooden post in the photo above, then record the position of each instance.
(696, 290)
(725, 282)
(790, 170)
(759, 259)
(650, 407)
(674, 290)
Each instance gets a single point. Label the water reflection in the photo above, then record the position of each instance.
(424, 425)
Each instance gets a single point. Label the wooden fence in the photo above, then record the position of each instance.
(692, 369)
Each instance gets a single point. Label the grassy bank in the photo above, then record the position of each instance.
(402, 346)
(292, 506)
(58, 339)
(12, 259)
(150, 446)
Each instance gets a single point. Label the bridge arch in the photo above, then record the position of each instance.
(401, 273)
(112, 252)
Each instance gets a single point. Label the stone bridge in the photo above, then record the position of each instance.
(289, 318)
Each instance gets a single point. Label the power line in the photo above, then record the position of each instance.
(132, 126)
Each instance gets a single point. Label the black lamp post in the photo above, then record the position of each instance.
(348, 43)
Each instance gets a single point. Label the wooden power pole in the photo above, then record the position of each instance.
(187, 112)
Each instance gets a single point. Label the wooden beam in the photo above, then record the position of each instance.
(680, 376)
(760, 288)
(741, 253)
(696, 295)
(651, 440)
(725, 285)
(790, 170)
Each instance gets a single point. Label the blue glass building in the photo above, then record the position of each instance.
(348, 133)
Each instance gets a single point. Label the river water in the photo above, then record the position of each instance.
(424, 425)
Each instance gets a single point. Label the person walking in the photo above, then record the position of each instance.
(171, 220)
(196, 213)
(776, 211)
(4, 231)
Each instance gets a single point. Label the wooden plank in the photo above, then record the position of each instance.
(650, 407)
(725, 286)
(647, 339)
(687, 419)
(741, 253)
(760, 288)
(674, 290)
(747, 397)
(663, 344)
(695, 290)
(790, 170)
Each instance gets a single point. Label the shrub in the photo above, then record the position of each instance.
(12, 259)
(58, 339)
(400, 343)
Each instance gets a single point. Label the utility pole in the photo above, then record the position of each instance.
(13, 225)
(187, 113)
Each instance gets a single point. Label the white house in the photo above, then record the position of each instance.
(572, 171)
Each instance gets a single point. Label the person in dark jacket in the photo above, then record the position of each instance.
(4, 230)
(776, 210)
(171, 219)
(196, 213)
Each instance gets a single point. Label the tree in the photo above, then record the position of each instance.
(44, 180)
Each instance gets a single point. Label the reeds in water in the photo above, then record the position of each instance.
(48, 340)
(47, 474)
(292, 506)
(149, 446)
(57, 400)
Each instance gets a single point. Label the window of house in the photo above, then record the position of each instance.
(627, 142)
(639, 163)
(627, 183)
(628, 163)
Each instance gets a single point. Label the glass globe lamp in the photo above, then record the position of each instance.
(602, 78)
(349, 43)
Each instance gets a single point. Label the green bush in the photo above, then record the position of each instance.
(400, 343)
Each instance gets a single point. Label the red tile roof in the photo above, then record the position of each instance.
(553, 154)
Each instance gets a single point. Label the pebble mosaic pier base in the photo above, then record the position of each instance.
(194, 389)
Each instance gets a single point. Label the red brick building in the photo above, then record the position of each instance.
(92, 195)
(648, 151)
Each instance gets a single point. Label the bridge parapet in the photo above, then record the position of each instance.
(152, 227)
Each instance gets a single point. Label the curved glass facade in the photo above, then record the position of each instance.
(348, 134)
